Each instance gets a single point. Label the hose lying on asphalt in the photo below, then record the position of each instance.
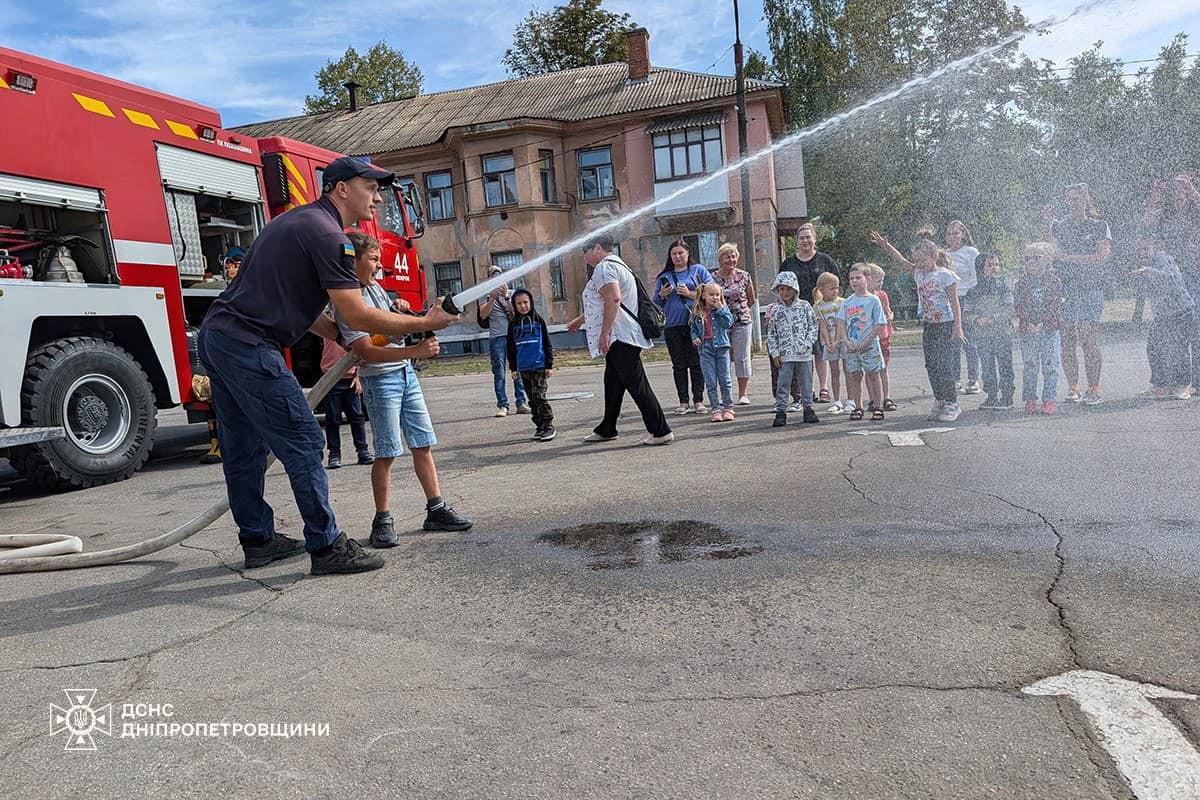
(33, 550)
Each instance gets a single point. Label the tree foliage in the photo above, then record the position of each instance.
(577, 34)
(383, 74)
(991, 146)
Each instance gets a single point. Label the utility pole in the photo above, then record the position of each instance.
(743, 151)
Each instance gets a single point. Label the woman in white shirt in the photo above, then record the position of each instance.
(610, 318)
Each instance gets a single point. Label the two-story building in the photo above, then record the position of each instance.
(511, 170)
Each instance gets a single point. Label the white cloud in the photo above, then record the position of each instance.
(1129, 29)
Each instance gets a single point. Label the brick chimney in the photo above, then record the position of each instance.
(638, 40)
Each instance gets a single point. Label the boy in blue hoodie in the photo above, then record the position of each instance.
(531, 359)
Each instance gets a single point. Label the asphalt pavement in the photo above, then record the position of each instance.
(749, 612)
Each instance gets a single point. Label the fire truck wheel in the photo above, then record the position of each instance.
(99, 394)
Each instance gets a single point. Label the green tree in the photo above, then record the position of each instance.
(758, 67)
(578, 34)
(383, 74)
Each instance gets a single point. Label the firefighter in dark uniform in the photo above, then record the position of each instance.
(301, 261)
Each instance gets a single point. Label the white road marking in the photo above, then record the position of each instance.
(1153, 755)
(903, 438)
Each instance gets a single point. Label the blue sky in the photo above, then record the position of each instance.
(256, 60)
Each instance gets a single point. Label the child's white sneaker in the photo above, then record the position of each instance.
(836, 408)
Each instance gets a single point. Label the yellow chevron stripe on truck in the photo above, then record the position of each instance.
(296, 176)
(139, 118)
(93, 105)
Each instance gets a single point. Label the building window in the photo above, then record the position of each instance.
(440, 193)
(507, 261)
(558, 290)
(499, 180)
(596, 174)
(684, 153)
(549, 184)
(447, 278)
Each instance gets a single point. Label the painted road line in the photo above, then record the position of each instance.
(1153, 755)
(903, 438)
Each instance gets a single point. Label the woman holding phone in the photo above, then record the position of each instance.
(677, 285)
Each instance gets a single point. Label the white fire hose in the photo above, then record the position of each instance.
(45, 552)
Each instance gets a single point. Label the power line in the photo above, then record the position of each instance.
(1124, 63)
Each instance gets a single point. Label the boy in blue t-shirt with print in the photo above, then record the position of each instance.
(860, 320)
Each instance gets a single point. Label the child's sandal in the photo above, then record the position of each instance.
(889, 404)
(856, 415)
(877, 414)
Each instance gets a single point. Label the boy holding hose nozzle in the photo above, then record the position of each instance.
(396, 406)
(300, 262)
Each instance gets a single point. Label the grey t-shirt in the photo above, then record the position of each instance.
(373, 295)
(498, 318)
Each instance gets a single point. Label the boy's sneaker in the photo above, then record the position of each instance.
(523, 408)
(796, 406)
(537, 435)
(1049, 407)
(1092, 397)
(972, 387)
(1031, 406)
(1004, 403)
(989, 404)
(1182, 393)
(365, 458)
(446, 518)
(501, 412)
(836, 408)
(383, 534)
(935, 412)
(345, 556)
(950, 412)
(810, 415)
(277, 549)
(1073, 394)
(780, 419)
(547, 433)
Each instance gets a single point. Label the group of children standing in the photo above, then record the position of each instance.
(831, 336)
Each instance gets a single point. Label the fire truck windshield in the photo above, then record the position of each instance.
(390, 214)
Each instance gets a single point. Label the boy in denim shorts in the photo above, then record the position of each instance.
(860, 320)
(396, 406)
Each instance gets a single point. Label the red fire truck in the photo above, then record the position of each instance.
(117, 206)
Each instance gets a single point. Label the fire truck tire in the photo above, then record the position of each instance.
(102, 397)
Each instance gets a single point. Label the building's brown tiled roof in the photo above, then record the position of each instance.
(568, 96)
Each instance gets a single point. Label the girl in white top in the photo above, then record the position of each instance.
(962, 262)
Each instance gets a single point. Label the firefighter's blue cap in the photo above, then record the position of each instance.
(345, 168)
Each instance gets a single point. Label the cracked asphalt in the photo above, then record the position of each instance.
(875, 647)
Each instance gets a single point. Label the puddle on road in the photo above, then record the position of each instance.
(621, 545)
